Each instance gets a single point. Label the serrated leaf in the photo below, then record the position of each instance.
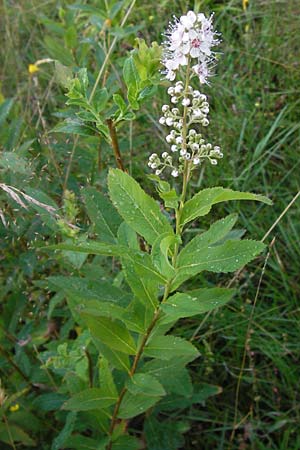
(117, 359)
(143, 383)
(224, 258)
(201, 393)
(74, 126)
(202, 202)
(169, 347)
(103, 215)
(89, 289)
(89, 399)
(135, 404)
(141, 260)
(137, 208)
(171, 374)
(111, 332)
(194, 302)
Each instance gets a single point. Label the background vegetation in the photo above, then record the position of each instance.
(250, 349)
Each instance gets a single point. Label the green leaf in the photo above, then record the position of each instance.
(138, 316)
(67, 430)
(100, 100)
(106, 380)
(194, 302)
(88, 289)
(143, 383)
(202, 202)
(124, 442)
(5, 108)
(103, 215)
(200, 393)
(120, 102)
(163, 435)
(16, 434)
(111, 332)
(130, 74)
(171, 374)
(57, 51)
(89, 399)
(74, 126)
(117, 359)
(228, 257)
(160, 254)
(169, 347)
(80, 442)
(12, 161)
(142, 261)
(138, 209)
(135, 404)
(70, 37)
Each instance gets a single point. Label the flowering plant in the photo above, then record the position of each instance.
(142, 365)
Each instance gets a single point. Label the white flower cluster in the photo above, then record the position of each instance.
(186, 143)
(190, 38)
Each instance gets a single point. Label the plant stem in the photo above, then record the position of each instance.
(178, 230)
(115, 144)
(186, 171)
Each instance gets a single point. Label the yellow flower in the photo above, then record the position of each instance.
(14, 408)
(245, 4)
(32, 68)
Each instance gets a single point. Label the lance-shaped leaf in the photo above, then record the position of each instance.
(194, 302)
(135, 404)
(138, 209)
(169, 347)
(144, 288)
(143, 383)
(228, 257)
(141, 260)
(89, 399)
(202, 202)
(171, 374)
(103, 215)
(111, 332)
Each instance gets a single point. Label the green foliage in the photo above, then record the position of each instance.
(50, 356)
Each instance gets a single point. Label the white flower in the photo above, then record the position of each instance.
(174, 173)
(196, 161)
(202, 71)
(186, 102)
(188, 20)
(169, 121)
(192, 36)
(174, 148)
(162, 120)
(165, 155)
